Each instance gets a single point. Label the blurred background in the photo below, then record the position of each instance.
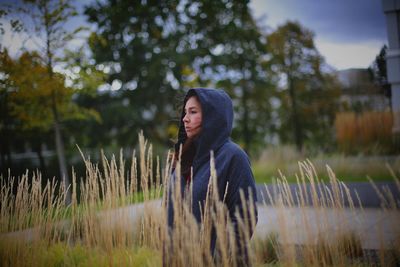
(308, 80)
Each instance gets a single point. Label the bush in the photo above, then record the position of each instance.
(367, 133)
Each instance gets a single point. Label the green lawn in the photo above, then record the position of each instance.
(61, 254)
(261, 176)
(346, 168)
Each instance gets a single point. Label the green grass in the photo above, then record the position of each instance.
(347, 168)
(61, 254)
(261, 176)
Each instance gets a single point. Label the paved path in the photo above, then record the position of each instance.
(376, 228)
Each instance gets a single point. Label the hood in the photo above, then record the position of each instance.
(217, 118)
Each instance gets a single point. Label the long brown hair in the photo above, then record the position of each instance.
(187, 156)
(188, 146)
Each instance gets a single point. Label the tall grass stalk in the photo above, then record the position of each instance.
(118, 217)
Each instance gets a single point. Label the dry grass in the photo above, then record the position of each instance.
(105, 226)
(368, 132)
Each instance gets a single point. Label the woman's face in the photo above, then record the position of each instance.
(193, 117)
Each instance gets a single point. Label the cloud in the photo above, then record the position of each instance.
(338, 20)
(349, 34)
(348, 55)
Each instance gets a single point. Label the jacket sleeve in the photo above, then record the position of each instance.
(241, 186)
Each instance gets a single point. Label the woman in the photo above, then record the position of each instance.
(206, 125)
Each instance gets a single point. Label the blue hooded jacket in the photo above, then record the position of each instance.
(231, 162)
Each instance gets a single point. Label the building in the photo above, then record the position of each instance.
(359, 92)
(391, 8)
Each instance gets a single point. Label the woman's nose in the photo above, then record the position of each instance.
(185, 118)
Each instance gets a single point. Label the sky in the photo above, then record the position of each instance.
(348, 33)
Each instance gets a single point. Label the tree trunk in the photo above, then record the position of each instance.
(246, 131)
(5, 154)
(60, 150)
(61, 160)
(60, 144)
(297, 131)
(3, 149)
(6, 138)
(50, 35)
(43, 170)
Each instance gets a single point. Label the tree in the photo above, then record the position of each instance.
(44, 22)
(230, 53)
(154, 48)
(30, 99)
(379, 72)
(308, 98)
(138, 42)
(22, 104)
(6, 123)
(85, 79)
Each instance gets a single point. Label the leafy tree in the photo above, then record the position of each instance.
(230, 51)
(85, 79)
(154, 48)
(24, 106)
(30, 98)
(44, 21)
(6, 122)
(379, 72)
(138, 43)
(308, 98)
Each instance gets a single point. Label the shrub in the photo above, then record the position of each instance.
(368, 132)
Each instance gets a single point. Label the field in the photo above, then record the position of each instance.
(285, 159)
(105, 225)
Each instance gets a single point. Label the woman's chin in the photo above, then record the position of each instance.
(191, 135)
